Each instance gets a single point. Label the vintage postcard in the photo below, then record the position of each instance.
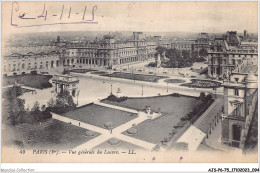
(139, 82)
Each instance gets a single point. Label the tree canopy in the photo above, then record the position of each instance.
(180, 58)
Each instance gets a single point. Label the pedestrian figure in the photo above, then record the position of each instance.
(79, 123)
(111, 131)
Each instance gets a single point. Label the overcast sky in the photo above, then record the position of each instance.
(137, 16)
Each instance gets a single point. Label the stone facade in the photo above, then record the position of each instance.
(187, 45)
(107, 52)
(193, 45)
(240, 95)
(19, 63)
(227, 53)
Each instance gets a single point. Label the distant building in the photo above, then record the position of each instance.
(228, 52)
(232, 38)
(108, 51)
(105, 52)
(163, 42)
(187, 45)
(202, 42)
(245, 35)
(33, 58)
(195, 45)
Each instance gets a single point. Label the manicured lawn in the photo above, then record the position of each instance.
(99, 115)
(167, 104)
(123, 146)
(99, 72)
(52, 134)
(173, 108)
(174, 80)
(141, 77)
(35, 81)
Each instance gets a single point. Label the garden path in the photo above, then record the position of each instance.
(106, 134)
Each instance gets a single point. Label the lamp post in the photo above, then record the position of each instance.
(111, 89)
(209, 128)
(142, 90)
(133, 74)
(214, 88)
(110, 73)
(212, 124)
(167, 87)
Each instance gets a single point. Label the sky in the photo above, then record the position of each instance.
(211, 17)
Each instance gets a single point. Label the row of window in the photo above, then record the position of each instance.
(22, 66)
(231, 55)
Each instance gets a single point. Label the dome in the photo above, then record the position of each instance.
(251, 81)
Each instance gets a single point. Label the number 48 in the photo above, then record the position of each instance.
(22, 151)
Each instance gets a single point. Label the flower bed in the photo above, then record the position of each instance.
(109, 125)
(90, 133)
(174, 81)
(114, 141)
(196, 83)
(132, 131)
(132, 76)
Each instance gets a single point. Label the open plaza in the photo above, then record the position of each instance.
(98, 122)
(127, 104)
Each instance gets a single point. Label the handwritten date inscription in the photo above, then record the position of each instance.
(52, 15)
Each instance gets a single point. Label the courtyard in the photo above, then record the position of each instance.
(100, 116)
(172, 108)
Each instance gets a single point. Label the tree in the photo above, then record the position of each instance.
(203, 52)
(15, 110)
(160, 50)
(14, 106)
(51, 103)
(36, 113)
(64, 99)
(202, 95)
(174, 56)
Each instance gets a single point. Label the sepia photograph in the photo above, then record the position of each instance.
(129, 82)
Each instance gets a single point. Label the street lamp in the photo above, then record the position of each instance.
(142, 90)
(110, 73)
(209, 128)
(214, 88)
(111, 89)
